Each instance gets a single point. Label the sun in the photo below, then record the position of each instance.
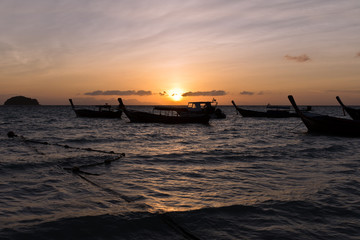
(176, 94)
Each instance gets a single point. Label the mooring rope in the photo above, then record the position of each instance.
(11, 134)
(165, 217)
(32, 147)
(127, 199)
(76, 169)
(184, 232)
(292, 129)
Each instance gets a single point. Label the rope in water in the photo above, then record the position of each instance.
(163, 216)
(292, 129)
(77, 170)
(11, 134)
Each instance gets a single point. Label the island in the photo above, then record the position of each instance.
(21, 100)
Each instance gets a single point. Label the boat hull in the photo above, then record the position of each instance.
(332, 125)
(268, 114)
(353, 113)
(324, 124)
(251, 113)
(214, 113)
(104, 111)
(97, 114)
(144, 117)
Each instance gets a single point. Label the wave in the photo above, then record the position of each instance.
(266, 220)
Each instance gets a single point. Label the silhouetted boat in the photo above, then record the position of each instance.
(271, 112)
(326, 124)
(353, 112)
(200, 108)
(164, 116)
(102, 111)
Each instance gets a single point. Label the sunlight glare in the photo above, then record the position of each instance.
(175, 94)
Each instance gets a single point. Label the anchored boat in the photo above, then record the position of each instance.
(271, 112)
(199, 108)
(161, 115)
(101, 111)
(353, 112)
(326, 124)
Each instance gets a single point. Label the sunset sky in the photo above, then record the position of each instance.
(145, 51)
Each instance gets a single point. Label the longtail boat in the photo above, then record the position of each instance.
(353, 112)
(325, 124)
(271, 112)
(100, 111)
(163, 116)
(201, 108)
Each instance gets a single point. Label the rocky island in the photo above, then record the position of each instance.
(21, 100)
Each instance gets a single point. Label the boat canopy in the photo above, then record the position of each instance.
(201, 105)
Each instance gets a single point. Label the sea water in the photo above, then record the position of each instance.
(236, 178)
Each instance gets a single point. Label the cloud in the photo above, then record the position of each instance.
(206, 93)
(246, 93)
(118, 92)
(251, 93)
(301, 58)
(355, 91)
(164, 93)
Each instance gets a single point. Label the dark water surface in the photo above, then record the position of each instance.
(237, 178)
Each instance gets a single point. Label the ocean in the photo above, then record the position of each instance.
(64, 177)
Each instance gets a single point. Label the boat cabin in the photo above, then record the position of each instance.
(105, 107)
(208, 108)
(166, 111)
(201, 106)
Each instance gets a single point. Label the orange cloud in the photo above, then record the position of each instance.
(122, 93)
(205, 93)
(246, 93)
(251, 93)
(301, 58)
